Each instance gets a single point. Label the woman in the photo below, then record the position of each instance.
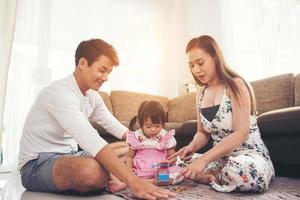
(226, 112)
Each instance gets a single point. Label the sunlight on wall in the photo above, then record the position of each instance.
(261, 37)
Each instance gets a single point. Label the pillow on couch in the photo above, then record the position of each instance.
(106, 100)
(126, 104)
(274, 93)
(182, 108)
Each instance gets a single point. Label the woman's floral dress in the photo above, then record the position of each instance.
(247, 168)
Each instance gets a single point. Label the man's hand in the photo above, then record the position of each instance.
(145, 190)
(124, 137)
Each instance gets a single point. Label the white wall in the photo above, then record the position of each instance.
(201, 17)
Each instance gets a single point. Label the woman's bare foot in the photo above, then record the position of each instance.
(116, 186)
(208, 177)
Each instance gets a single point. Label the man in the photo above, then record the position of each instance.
(49, 160)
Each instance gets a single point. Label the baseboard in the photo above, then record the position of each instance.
(6, 168)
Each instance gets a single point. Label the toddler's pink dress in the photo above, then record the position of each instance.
(151, 151)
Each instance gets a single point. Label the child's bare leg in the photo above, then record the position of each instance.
(115, 185)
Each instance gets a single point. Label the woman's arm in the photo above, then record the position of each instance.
(200, 139)
(241, 109)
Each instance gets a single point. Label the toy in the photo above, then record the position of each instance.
(162, 174)
(179, 189)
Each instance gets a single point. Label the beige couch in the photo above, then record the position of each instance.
(278, 103)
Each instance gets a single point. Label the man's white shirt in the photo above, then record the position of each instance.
(58, 121)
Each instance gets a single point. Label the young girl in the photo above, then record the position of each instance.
(150, 145)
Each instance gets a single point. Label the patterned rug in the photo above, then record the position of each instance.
(281, 188)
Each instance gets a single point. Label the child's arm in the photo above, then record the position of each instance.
(129, 158)
(171, 151)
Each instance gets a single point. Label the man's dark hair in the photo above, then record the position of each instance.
(93, 48)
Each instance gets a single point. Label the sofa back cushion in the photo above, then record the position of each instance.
(274, 93)
(182, 108)
(126, 104)
(297, 90)
(106, 100)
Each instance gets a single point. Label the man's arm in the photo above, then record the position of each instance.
(129, 158)
(114, 164)
(104, 117)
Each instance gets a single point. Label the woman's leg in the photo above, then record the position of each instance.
(245, 173)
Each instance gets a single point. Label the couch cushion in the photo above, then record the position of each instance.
(297, 90)
(274, 93)
(125, 104)
(182, 108)
(106, 100)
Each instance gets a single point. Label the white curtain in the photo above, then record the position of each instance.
(7, 24)
(261, 37)
(48, 32)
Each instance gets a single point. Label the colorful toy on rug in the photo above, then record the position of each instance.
(162, 174)
(178, 189)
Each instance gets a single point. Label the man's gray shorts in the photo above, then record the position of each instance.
(36, 174)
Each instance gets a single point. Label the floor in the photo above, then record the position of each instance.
(12, 189)
(281, 188)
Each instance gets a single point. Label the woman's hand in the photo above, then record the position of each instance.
(184, 153)
(145, 190)
(194, 170)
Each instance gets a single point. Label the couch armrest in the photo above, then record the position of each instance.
(189, 128)
(280, 122)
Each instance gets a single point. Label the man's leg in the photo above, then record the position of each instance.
(79, 173)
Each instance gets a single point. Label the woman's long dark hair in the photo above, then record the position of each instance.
(208, 44)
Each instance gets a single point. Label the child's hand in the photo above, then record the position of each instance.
(164, 163)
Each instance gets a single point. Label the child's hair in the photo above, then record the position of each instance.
(149, 109)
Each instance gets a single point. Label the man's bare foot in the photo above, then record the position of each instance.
(116, 186)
